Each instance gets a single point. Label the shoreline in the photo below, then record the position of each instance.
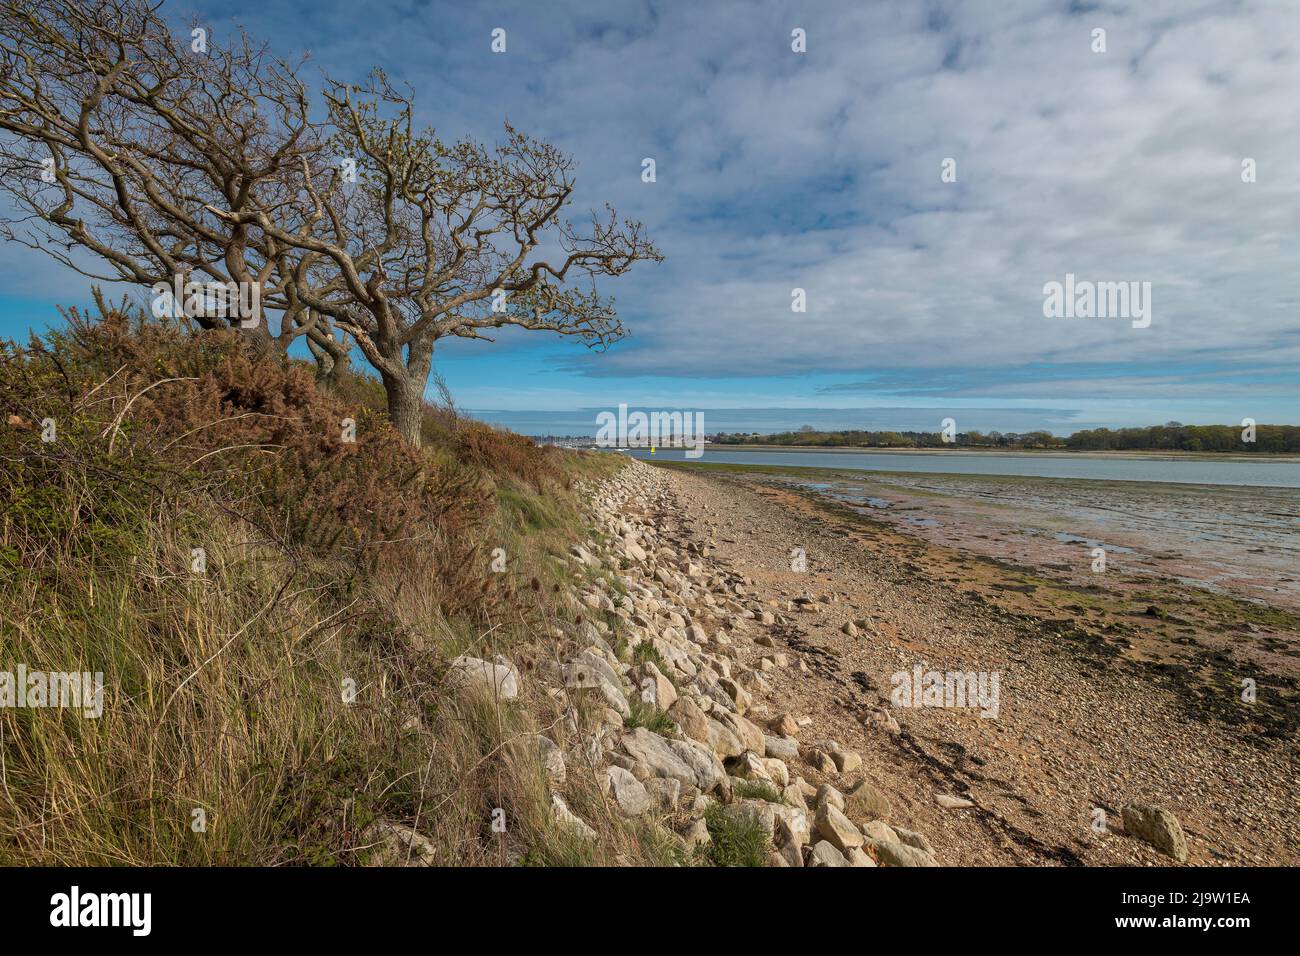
(854, 473)
(1137, 455)
(1111, 695)
(1228, 540)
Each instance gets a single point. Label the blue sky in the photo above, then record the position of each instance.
(778, 170)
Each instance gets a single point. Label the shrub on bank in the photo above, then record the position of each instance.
(271, 583)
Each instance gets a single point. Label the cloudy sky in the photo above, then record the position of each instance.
(821, 170)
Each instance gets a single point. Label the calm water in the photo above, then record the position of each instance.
(1196, 471)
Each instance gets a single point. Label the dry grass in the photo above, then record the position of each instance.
(329, 564)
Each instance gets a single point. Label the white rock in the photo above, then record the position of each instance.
(500, 679)
(824, 854)
(627, 791)
(570, 820)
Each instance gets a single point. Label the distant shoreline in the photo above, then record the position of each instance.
(1012, 452)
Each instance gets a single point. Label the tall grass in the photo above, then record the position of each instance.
(230, 732)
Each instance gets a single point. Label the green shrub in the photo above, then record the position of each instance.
(647, 716)
(735, 841)
(758, 790)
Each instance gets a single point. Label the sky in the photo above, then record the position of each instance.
(822, 170)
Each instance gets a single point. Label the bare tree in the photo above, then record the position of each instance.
(165, 159)
(120, 138)
(434, 239)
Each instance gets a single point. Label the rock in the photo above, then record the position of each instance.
(746, 731)
(755, 811)
(690, 718)
(787, 748)
(1157, 826)
(590, 671)
(820, 760)
(791, 825)
(706, 767)
(791, 853)
(834, 827)
(777, 771)
(569, 820)
(912, 838)
(500, 680)
(850, 629)
(776, 858)
(737, 693)
(398, 845)
(879, 830)
(664, 790)
(828, 794)
(634, 767)
(900, 854)
(858, 858)
(824, 854)
(766, 618)
(655, 689)
(785, 725)
(865, 802)
(671, 651)
(699, 726)
(846, 761)
(952, 803)
(552, 759)
(627, 791)
(653, 751)
(697, 834)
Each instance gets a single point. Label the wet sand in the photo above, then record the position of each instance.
(1243, 542)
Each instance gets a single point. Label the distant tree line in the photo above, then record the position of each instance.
(1177, 437)
(1172, 436)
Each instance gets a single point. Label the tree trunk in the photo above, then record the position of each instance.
(406, 392)
(259, 340)
(331, 363)
(405, 406)
(329, 372)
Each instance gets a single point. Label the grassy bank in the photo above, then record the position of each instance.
(272, 585)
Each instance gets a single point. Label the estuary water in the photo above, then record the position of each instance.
(1260, 473)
